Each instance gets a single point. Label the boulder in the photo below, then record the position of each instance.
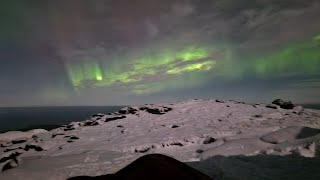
(157, 110)
(283, 104)
(209, 140)
(128, 110)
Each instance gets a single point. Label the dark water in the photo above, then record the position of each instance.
(25, 118)
(311, 106)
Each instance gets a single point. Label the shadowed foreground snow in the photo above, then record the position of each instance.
(223, 139)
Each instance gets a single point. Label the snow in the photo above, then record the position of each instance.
(235, 128)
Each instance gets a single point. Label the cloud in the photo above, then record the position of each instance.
(182, 9)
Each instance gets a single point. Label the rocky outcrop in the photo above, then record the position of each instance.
(283, 104)
(34, 147)
(8, 156)
(128, 110)
(12, 163)
(156, 109)
(91, 123)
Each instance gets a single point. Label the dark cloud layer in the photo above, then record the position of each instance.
(41, 42)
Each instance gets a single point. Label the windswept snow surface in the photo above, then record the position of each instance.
(194, 131)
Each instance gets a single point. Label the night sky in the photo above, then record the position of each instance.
(120, 52)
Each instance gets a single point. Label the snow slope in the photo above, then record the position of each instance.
(210, 135)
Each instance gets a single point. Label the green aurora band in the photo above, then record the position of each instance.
(100, 73)
(170, 69)
(297, 58)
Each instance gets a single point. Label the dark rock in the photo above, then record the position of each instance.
(167, 109)
(209, 140)
(122, 111)
(11, 156)
(12, 149)
(98, 115)
(114, 118)
(14, 162)
(91, 123)
(4, 145)
(158, 110)
(283, 104)
(19, 141)
(74, 137)
(155, 111)
(143, 108)
(155, 167)
(128, 110)
(33, 146)
(257, 116)
(70, 141)
(239, 102)
(219, 101)
(57, 134)
(271, 106)
(142, 150)
(120, 126)
(175, 126)
(199, 151)
(69, 129)
(132, 110)
(176, 144)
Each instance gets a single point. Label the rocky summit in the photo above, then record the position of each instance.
(222, 139)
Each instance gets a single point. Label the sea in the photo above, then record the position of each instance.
(26, 118)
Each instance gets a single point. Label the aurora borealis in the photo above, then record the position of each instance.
(99, 73)
(112, 52)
